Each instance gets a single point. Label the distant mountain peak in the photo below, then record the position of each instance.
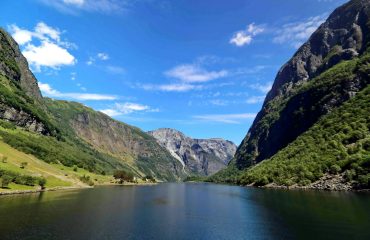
(199, 156)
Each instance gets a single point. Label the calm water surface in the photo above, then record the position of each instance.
(185, 211)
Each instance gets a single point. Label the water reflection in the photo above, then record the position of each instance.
(185, 211)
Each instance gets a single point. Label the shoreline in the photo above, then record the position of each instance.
(293, 187)
(16, 192)
(272, 187)
(308, 188)
(19, 192)
(327, 183)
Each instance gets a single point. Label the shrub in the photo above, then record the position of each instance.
(86, 179)
(304, 182)
(42, 183)
(6, 180)
(7, 125)
(191, 178)
(122, 176)
(366, 145)
(349, 174)
(262, 181)
(334, 169)
(24, 164)
(364, 180)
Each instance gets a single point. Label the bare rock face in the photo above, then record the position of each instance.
(22, 119)
(332, 183)
(15, 66)
(199, 156)
(343, 36)
(289, 110)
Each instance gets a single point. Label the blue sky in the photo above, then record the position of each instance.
(202, 67)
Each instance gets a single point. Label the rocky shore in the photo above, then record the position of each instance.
(328, 182)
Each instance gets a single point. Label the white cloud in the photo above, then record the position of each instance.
(219, 102)
(189, 76)
(206, 60)
(51, 52)
(78, 3)
(254, 30)
(21, 36)
(265, 88)
(255, 99)
(250, 70)
(100, 6)
(245, 37)
(99, 56)
(110, 112)
(296, 33)
(226, 118)
(131, 107)
(90, 61)
(191, 73)
(240, 39)
(45, 32)
(87, 96)
(126, 108)
(47, 90)
(103, 56)
(176, 87)
(48, 55)
(73, 76)
(115, 69)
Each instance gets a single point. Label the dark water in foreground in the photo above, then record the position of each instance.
(185, 211)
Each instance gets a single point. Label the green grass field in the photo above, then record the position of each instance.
(56, 175)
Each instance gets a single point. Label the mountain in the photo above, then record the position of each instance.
(327, 75)
(67, 135)
(14, 66)
(199, 156)
(126, 143)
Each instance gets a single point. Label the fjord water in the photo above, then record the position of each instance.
(185, 211)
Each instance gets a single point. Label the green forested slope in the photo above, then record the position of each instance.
(337, 143)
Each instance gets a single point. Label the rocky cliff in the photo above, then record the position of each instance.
(20, 99)
(199, 156)
(297, 100)
(14, 65)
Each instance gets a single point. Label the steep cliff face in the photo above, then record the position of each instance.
(308, 87)
(14, 65)
(127, 143)
(22, 119)
(343, 36)
(199, 156)
(20, 98)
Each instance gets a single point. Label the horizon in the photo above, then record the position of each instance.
(164, 64)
